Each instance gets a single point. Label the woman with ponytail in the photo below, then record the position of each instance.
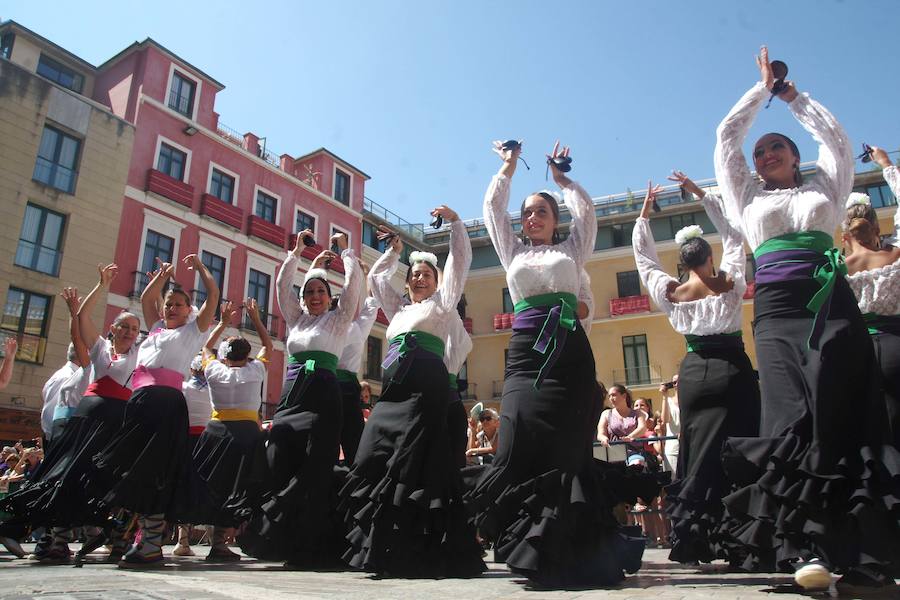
(403, 497)
(874, 276)
(806, 498)
(717, 389)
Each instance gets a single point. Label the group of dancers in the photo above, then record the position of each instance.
(795, 470)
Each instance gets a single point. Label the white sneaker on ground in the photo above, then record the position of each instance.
(813, 575)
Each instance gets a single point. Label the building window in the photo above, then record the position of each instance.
(216, 266)
(265, 206)
(508, 306)
(25, 316)
(181, 95)
(258, 288)
(58, 73)
(171, 161)
(370, 235)
(373, 358)
(676, 222)
(6, 44)
(40, 241)
(342, 187)
(629, 283)
(637, 362)
(56, 160)
(305, 221)
(156, 246)
(879, 193)
(221, 185)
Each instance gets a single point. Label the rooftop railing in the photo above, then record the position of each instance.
(414, 230)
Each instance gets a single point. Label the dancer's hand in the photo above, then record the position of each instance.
(649, 198)
(685, 182)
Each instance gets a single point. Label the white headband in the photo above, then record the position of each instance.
(688, 233)
(315, 274)
(428, 257)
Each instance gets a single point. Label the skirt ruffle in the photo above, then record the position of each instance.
(696, 512)
(56, 495)
(793, 504)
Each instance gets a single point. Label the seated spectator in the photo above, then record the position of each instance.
(487, 437)
(623, 423)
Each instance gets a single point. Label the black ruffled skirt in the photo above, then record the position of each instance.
(457, 428)
(887, 353)
(823, 479)
(56, 494)
(545, 502)
(295, 520)
(352, 428)
(230, 457)
(403, 498)
(142, 468)
(718, 396)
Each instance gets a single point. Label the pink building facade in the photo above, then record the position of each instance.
(196, 186)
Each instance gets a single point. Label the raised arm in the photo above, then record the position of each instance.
(583, 230)
(651, 272)
(892, 177)
(458, 261)
(227, 313)
(288, 302)
(367, 315)
(89, 331)
(82, 350)
(382, 272)
(152, 293)
(734, 261)
(261, 331)
(496, 206)
(10, 346)
(348, 304)
(208, 310)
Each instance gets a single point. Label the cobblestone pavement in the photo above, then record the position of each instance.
(192, 578)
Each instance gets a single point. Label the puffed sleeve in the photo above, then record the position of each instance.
(735, 181)
(652, 275)
(457, 268)
(583, 231)
(497, 221)
(349, 300)
(288, 302)
(834, 167)
(380, 283)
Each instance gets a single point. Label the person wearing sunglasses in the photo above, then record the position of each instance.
(873, 270)
(803, 501)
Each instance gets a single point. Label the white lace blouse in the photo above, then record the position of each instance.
(707, 316)
(326, 332)
(351, 358)
(533, 270)
(459, 344)
(878, 290)
(431, 315)
(817, 205)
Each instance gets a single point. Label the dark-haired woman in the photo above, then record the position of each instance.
(403, 496)
(295, 521)
(142, 467)
(874, 276)
(717, 389)
(815, 483)
(230, 454)
(541, 503)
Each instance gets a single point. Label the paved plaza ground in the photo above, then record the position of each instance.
(192, 578)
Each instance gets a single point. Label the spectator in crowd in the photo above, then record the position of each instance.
(650, 517)
(487, 438)
(623, 423)
(671, 424)
(365, 398)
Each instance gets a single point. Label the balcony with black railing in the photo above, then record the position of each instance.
(272, 323)
(639, 375)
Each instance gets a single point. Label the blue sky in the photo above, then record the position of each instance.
(412, 93)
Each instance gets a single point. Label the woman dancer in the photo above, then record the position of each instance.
(541, 503)
(142, 467)
(718, 393)
(814, 487)
(874, 276)
(56, 495)
(295, 522)
(230, 454)
(403, 497)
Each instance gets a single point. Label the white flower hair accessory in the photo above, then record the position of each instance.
(315, 274)
(858, 198)
(685, 234)
(428, 257)
(197, 363)
(223, 350)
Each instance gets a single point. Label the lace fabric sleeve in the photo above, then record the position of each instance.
(652, 275)
(583, 231)
(367, 316)
(349, 301)
(735, 180)
(892, 176)
(288, 302)
(734, 261)
(380, 283)
(586, 295)
(457, 268)
(498, 222)
(834, 167)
